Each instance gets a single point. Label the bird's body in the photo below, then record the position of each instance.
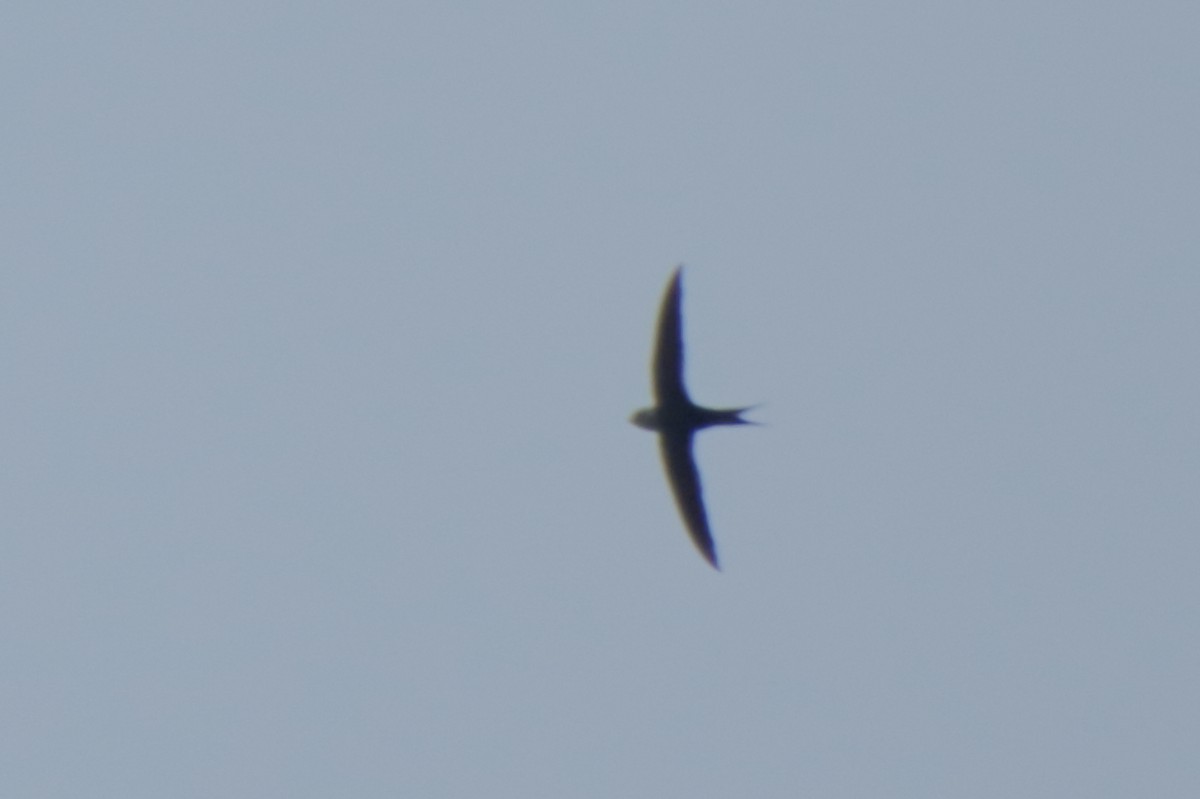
(676, 419)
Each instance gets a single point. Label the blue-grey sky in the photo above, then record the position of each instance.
(320, 328)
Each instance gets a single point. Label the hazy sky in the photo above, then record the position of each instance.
(322, 323)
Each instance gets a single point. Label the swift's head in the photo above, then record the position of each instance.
(646, 418)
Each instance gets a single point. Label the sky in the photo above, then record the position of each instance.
(320, 328)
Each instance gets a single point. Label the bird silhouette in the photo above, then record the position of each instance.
(676, 419)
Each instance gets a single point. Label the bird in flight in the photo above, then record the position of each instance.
(676, 418)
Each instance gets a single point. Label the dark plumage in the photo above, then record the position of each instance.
(676, 418)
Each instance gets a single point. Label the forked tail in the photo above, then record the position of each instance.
(715, 416)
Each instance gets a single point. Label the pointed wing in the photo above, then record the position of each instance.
(685, 484)
(668, 350)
